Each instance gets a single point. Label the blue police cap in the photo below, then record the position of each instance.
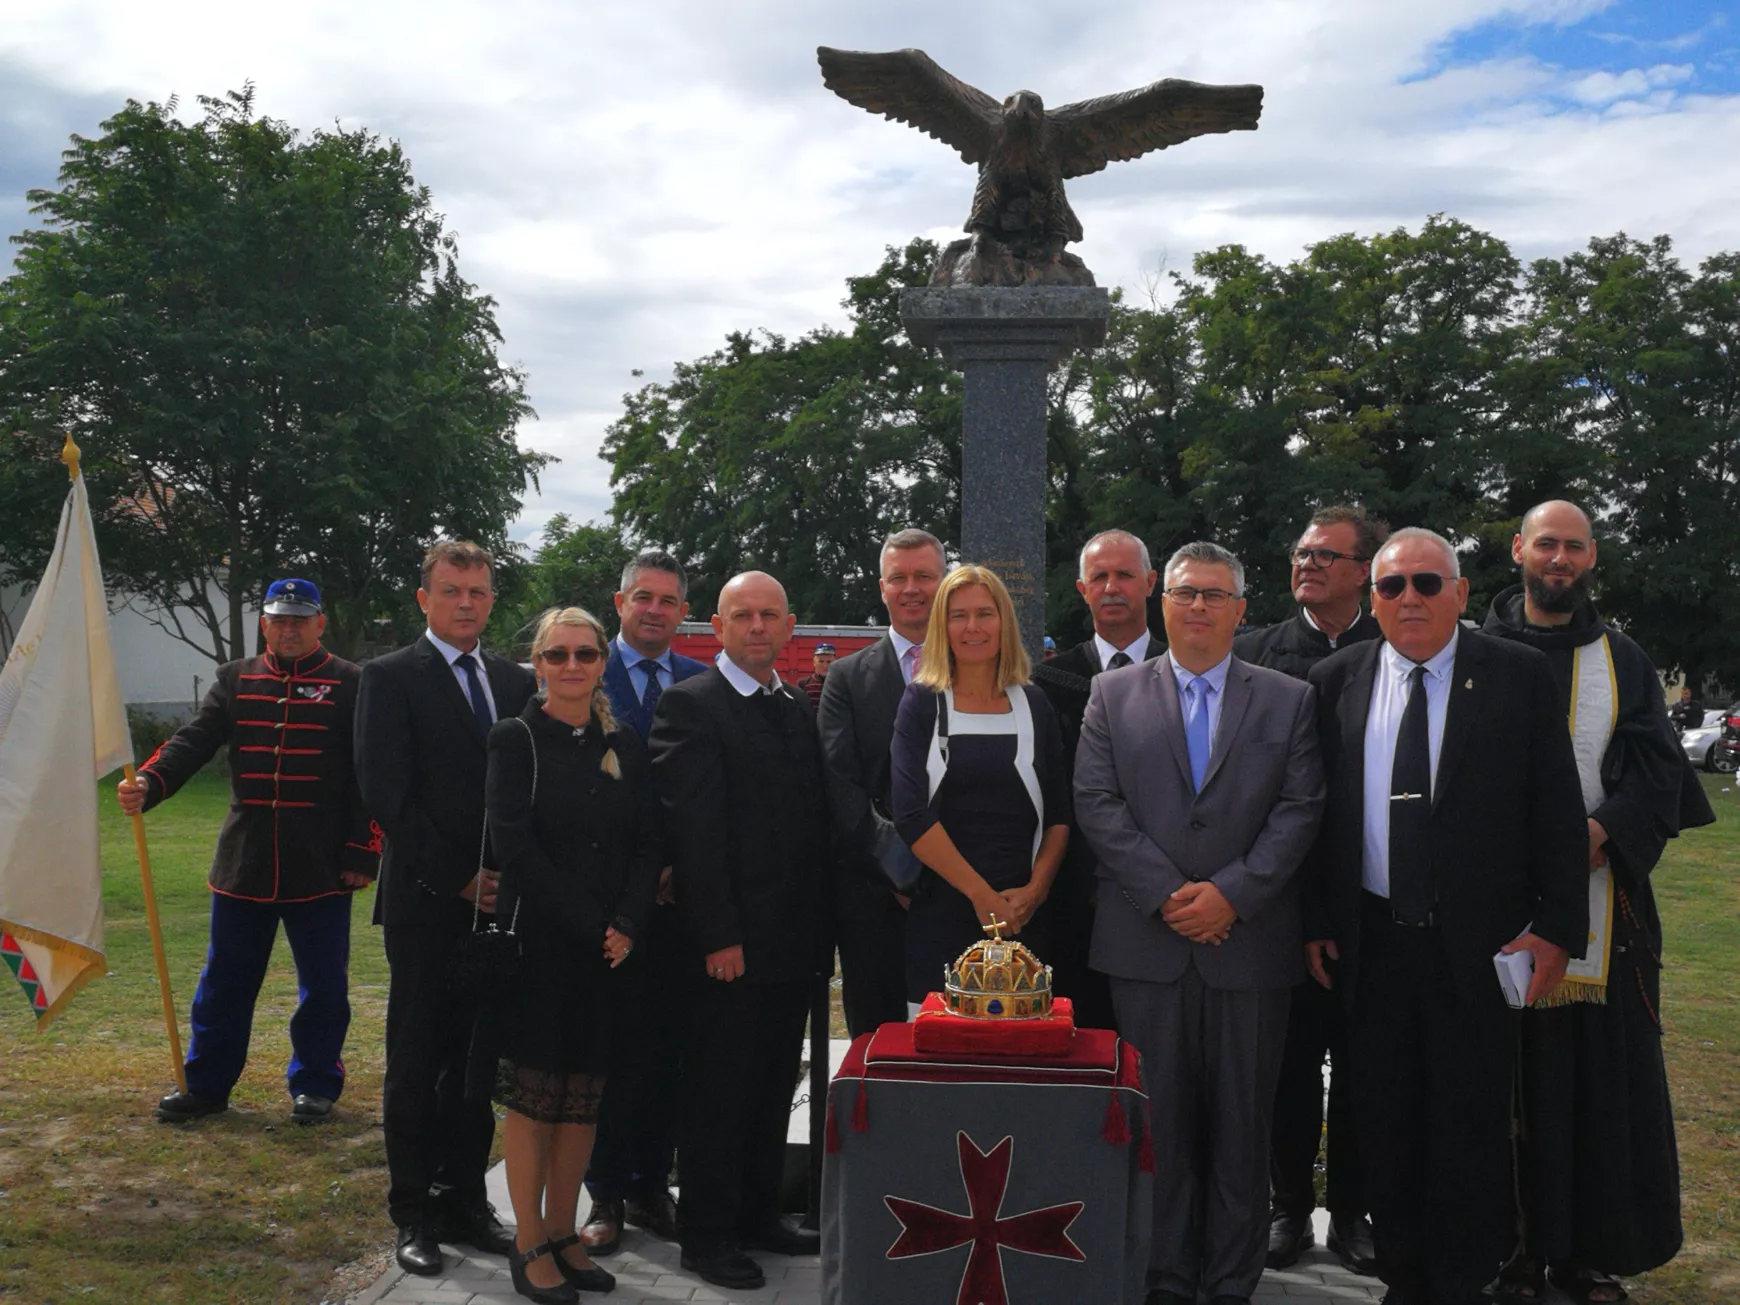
(292, 598)
(827, 648)
(1050, 644)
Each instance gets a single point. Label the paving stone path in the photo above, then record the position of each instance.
(647, 1270)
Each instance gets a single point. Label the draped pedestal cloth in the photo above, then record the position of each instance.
(975, 1179)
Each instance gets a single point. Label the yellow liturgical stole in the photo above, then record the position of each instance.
(1594, 714)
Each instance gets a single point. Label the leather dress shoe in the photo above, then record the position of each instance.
(602, 1233)
(418, 1252)
(656, 1213)
(785, 1236)
(1350, 1241)
(724, 1266)
(179, 1107)
(476, 1226)
(1290, 1236)
(308, 1108)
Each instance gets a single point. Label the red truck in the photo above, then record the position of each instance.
(696, 639)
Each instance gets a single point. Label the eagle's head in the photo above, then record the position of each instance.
(1023, 109)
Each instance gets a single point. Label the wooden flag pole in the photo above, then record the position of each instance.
(69, 454)
(157, 941)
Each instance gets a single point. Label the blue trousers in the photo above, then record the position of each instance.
(242, 934)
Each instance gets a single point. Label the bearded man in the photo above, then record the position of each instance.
(1599, 1170)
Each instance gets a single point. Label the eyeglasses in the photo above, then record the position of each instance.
(559, 656)
(1427, 584)
(1323, 558)
(1186, 596)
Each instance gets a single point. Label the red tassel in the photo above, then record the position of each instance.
(1145, 1152)
(1115, 1129)
(831, 1133)
(861, 1109)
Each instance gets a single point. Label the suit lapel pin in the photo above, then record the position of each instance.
(1468, 684)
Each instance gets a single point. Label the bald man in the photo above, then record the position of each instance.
(1600, 1170)
(739, 771)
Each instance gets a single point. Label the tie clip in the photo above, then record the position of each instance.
(1405, 797)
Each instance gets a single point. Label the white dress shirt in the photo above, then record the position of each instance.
(1137, 649)
(452, 655)
(639, 667)
(1389, 698)
(1215, 678)
(742, 680)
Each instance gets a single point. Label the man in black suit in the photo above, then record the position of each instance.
(1117, 579)
(629, 1176)
(423, 716)
(860, 697)
(739, 771)
(1455, 830)
(1331, 566)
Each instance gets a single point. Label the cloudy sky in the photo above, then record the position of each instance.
(633, 180)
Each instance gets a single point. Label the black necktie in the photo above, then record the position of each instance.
(1411, 893)
(649, 700)
(1118, 659)
(474, 690)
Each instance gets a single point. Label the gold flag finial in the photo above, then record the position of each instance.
(69, 454)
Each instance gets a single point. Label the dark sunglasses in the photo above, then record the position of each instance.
(559, 656)
(1427, 584)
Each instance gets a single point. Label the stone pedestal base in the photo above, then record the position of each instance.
(1005, 339)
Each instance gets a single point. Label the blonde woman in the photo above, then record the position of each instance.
(574, 828)
(979, 784)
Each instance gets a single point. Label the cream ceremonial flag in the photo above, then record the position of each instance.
(62, 727)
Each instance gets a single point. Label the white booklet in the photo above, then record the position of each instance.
(1516, 970)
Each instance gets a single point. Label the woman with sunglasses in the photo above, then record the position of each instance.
(574, 829)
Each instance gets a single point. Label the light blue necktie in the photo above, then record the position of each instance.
(1197, 737)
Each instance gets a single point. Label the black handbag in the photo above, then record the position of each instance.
(489, 956)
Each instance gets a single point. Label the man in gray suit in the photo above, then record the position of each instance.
(1199, 786)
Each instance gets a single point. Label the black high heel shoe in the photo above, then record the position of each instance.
(561, 1294)
(593, 1279)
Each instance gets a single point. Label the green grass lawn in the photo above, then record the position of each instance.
(100, 1204)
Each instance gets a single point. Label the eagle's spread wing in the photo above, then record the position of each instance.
(1089, 134)
(909, 86)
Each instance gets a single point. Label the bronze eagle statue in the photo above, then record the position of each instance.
(1020, 219)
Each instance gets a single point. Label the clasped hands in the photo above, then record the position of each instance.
(1013, 906)
(1200, 913)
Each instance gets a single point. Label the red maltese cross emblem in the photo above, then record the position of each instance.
(925, 1230)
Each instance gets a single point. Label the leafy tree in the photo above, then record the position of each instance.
(265, 347)
(796, 456)
(1649, 354)
(577, 565)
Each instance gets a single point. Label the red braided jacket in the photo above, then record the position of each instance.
(296, 815)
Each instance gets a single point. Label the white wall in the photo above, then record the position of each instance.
(157, 669)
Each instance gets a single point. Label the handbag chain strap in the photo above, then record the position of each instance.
(476, 904)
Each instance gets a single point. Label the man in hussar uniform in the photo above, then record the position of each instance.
(1599, 1166)
(295, 845)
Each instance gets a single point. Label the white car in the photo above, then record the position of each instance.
(1700, 744)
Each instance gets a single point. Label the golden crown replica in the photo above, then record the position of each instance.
(998, 979)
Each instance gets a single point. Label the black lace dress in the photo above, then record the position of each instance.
(582, 857)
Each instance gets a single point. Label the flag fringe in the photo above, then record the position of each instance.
(59, 944)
